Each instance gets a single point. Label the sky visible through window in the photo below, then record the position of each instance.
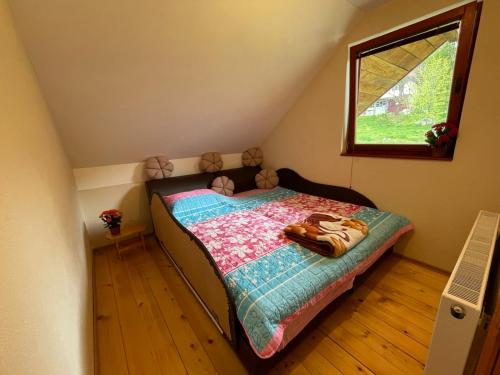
(412, 105)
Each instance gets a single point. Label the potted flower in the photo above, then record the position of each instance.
(112, 220)
(441, 138)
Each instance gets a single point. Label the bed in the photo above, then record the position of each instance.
(259, 288)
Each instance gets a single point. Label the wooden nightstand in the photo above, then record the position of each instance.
(127, 232)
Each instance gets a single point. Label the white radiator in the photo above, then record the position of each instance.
(461, 303)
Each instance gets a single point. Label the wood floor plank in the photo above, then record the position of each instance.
(313, 361)
(401, 323)
(102, 275)
(385, 348)
(410, 287)
(291, 365)
(149, 322)
(193, 355)
(416, 269)
(138, 348)
(377, 344)
(165, 350)
(379, 300)
(403, 342)
(360, 348)
(335, 354)
(425, 276)
(404, 297)
(216, 346)
(111, 357)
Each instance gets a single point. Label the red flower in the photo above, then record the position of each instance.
(429, 134)
(443, 139)
(112, 213)
(111, 216)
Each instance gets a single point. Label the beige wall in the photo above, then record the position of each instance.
(45, 287)
(122, 186)
(441, 198)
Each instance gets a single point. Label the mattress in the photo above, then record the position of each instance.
(277, 285)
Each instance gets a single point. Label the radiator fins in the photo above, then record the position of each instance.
(469, 277)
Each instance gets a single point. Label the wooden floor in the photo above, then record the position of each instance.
(148, 322)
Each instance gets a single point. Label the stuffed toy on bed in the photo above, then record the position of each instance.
(327, 234)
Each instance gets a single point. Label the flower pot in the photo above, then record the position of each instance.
(440, 152)
(115, 230)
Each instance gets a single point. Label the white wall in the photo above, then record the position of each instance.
(441, 198)
(122, 186)
(45, 283)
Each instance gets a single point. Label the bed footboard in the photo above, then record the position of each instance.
(195, 266)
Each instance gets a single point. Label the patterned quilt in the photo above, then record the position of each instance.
(271, 279)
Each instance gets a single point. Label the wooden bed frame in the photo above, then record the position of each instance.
(195, 264)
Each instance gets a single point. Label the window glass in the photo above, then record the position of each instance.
(404, 90)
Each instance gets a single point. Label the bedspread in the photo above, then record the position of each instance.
(272, 280)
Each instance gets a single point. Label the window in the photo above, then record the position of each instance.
(404, 82)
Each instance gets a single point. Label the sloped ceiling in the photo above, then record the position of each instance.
(367, 4)
(129, 79)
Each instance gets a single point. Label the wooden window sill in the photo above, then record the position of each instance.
(395, 156)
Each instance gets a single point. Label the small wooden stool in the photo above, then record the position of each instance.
(127, 231)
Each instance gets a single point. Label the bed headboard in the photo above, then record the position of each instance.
(244, 179)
